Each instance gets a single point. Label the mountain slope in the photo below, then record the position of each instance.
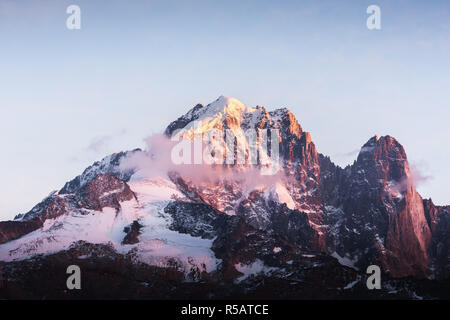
(277, 210)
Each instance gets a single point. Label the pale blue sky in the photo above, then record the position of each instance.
(70, 97)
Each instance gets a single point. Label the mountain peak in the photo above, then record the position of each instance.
(382, 144)
(217, 111)
(372, 141)
(224, 105)
(230, 113)
(225, 100)
(385, 157)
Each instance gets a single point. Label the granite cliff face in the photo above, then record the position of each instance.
(308, 219)
(298, 162)
(382, 217)
(438, 218)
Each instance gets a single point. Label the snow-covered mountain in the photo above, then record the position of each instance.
(308, 225)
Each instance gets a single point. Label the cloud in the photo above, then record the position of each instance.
(100, 143)
(417, 174)
(157, 161)
(416, 178)
(348, 154)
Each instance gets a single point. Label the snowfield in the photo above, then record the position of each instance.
(157, 243)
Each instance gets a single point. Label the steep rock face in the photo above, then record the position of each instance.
(273, 217)
(296, 150)
(183, 121)
(332, 177)
(109, 164)
(432, 214)
(382, 217)
(298, 160)
(439, 250)
(196, 219)
(50, 208)
(237, 239)
(10, 230)
(106, 190)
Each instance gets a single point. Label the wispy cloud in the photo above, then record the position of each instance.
(100, 143)
(352, 153)
(417, 174)
(156, 161)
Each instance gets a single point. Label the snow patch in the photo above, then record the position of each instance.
(281, 195)
(254, 268)
(345, 261)
(157, 243)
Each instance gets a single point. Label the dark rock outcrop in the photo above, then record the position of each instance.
(106, 190)
(109, 164)
(439, 250)
(132, 233)
(52, 207)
